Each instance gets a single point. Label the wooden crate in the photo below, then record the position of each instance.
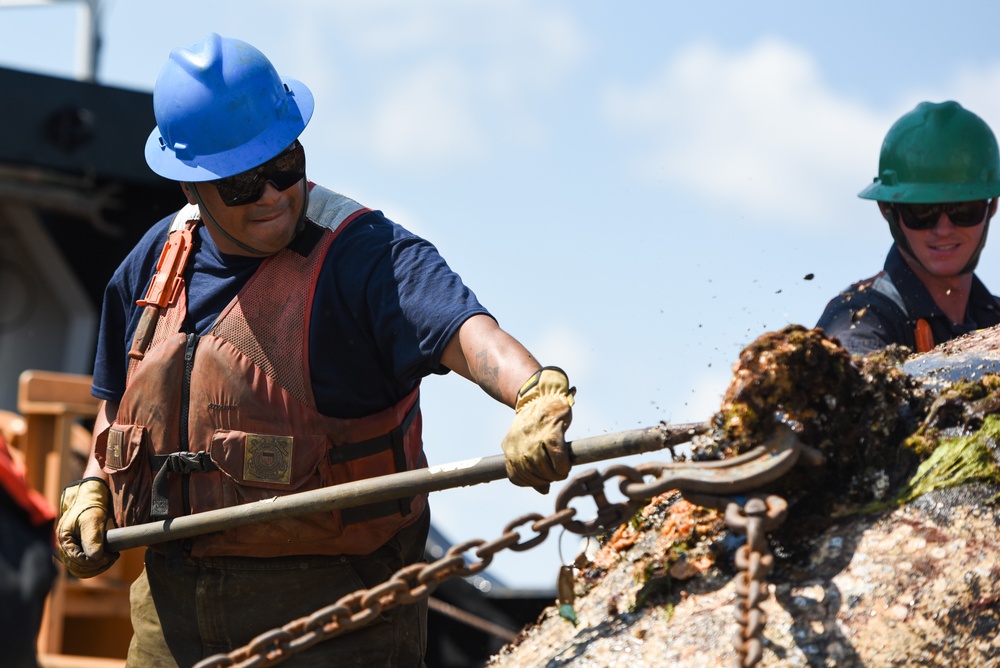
(86, 622)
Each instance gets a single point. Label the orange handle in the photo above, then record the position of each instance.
(163, 288)
(167, 279)
(925, 338)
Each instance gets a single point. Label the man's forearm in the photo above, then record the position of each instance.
(490, 357)
(106, 414)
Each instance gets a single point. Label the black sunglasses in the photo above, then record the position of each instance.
(283, 171)
(925, 216)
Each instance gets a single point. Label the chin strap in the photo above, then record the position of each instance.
(207, 215)
(974, 260)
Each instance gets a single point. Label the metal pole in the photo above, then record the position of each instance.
(88, 34)
(89, 41)
(395, 486)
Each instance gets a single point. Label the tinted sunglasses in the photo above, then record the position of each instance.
(925, 216)
(283, 171)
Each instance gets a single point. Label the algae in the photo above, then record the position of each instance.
(958, 461)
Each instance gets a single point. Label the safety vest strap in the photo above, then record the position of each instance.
(922, 334)
(394, 440)
(183, 463)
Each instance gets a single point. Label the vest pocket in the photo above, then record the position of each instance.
(255, 467)
(121, 449)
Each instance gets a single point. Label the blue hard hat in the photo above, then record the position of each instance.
(221, 109)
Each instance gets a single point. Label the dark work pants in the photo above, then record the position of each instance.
(221, 603)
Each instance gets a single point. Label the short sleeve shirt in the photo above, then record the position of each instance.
(385, 307)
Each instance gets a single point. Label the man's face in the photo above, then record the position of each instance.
(944, 248)
(267, 224)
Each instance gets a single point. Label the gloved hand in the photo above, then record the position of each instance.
(84, 519)
(535, 446)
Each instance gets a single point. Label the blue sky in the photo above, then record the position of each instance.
(637, 190)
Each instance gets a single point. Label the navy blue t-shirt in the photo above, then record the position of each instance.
(385, 307)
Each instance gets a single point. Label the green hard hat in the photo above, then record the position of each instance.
(939, 152)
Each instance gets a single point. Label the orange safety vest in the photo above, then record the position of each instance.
(229, 417)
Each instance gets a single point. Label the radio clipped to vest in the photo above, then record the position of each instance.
(923, 335)
(163, 287)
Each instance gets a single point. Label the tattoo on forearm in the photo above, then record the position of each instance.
(488, 377)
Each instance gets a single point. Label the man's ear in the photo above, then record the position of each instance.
(186, 188)
(887, 211)
(993, 209)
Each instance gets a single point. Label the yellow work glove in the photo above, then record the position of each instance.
(84, 519)
(535, 446)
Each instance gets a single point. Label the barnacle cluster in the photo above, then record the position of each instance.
(873, 423)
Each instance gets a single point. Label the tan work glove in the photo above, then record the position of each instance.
(84, 520)
(535, 446)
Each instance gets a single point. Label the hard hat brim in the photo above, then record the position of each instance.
(279, 135)
(929, 193)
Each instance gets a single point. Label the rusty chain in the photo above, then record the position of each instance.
(754, 560)
(753, 516)
(418, 581)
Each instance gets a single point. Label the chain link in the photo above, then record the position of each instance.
(754, 518)
(417, 582)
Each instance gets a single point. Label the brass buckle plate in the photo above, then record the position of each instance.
(114, 454)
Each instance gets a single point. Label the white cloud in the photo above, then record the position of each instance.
(446, 83)
(977, 91)
(427, 119)
(562, 347)
(759, 129)
(541, 41)
(706, 395)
